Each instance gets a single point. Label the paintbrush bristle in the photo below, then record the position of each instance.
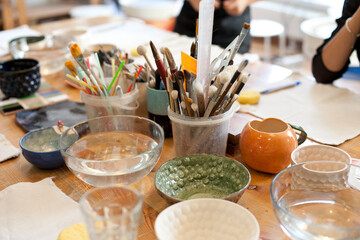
(244, 78)
(170, 58)
(242, 65)
(70, 65)
(141, 50)
(154, 51)
(174, 94)
(198, 88)
(75, 50)
(224, 77)
(246, 26)
(212, 90)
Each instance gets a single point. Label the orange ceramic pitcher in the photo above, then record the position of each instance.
(267, 145)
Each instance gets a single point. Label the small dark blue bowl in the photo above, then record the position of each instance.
(41, 148)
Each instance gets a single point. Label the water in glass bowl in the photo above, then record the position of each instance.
(322, 215)
(112, 158)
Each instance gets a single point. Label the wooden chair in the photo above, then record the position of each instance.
(13, 15)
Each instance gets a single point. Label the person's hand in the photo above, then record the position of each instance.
(235, 7)
(195, 4)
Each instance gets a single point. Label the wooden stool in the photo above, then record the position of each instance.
(266, 29)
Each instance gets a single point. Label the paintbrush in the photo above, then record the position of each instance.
(237, 73)
(231, 102)
(106, 55)
(244, 31)
(152, 83)
(244, 79)
(189, 84)
(142, 51)
(115, 80)
(72, 68)
(171, 61)
(184, 108)
(159, 63)
(200, 98)
(174, 96)
(169, 90)
(79, 58)
(162, 51)
(179, 77)
(194, 107)
(235, 87)
(192, 49)
(223, 78)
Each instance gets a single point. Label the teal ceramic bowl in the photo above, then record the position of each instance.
(201, 176)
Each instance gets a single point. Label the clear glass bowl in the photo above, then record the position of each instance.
(112, 150)
(51, 51)
(318, 200)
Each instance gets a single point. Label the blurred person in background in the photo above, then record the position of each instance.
(229, 17)
(331, 60)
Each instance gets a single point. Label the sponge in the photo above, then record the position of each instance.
(74, 232)
(249, 97)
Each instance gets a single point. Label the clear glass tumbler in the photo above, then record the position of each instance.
(112, 213)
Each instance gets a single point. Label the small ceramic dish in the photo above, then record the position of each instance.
(201, 176)
(210, 219)
(41, 148)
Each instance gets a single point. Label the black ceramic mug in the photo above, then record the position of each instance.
(19, 78)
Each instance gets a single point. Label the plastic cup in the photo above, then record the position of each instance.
(112, 212)
(98, 106)
(200, 135)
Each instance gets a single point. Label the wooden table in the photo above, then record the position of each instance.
(256, 200)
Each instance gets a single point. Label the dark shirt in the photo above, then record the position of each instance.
(225, 28)
(320, 72)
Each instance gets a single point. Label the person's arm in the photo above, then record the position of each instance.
(332, 58)
(337, 51)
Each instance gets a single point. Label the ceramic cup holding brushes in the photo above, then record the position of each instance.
(157, 94)
(157, 104)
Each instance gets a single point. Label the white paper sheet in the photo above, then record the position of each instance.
(329, 115)
(7, 150)
(36, 211)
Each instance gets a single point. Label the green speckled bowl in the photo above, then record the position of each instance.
(201, 176)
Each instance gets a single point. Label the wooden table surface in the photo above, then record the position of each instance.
(256, 200)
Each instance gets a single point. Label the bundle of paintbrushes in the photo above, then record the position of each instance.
(188, 97)
(109, 76)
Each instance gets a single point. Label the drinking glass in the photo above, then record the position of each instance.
(112, 213)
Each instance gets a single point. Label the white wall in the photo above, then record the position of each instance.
(291, 13)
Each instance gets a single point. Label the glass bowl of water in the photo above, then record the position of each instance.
(309, 206)
(112, 150)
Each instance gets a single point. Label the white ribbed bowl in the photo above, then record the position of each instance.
(321, 176)
(210, 219)
(311, 153)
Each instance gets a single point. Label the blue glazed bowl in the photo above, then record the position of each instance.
(41, 148)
